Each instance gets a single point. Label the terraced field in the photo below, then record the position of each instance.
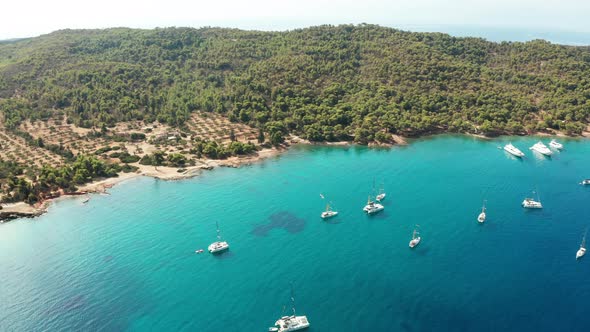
(214, 127)
(15, 148)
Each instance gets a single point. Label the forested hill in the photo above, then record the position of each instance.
(322, 83)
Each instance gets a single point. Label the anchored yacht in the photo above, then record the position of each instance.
(513, 150)
(541, 148)
(556, 145)
(290, 323)
(372, 207)
(381, 195)
(329, 213)
(482, 216)
(530, 203)
(415, 238)
(218, 245)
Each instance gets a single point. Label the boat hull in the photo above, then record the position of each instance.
(542, 149)
(531, 204)
(514, 151)
(217, 247)
(292, 323)
(481, 218)
(580, 253)
(327, 215)
(413, 243)
(375, 208)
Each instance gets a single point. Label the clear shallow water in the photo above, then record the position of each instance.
(126, 262)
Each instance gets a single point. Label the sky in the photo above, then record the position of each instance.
(28, 18)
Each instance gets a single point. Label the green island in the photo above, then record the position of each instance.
(82, 105)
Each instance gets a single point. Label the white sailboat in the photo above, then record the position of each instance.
(556, 145)
(415, 238)
(582, 251)
(381, 195)
(290, 323)
(329, 213)
(541, 148)
(218, 245)
(513, 150)
(530, 203)
(482, 216)
(372, 207)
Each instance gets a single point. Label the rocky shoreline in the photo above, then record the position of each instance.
(18, 210)
(22, 210)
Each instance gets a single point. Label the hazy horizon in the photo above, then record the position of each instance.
(30, 18)
(494, 34)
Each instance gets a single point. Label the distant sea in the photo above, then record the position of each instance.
(498, 34)
(127, 261)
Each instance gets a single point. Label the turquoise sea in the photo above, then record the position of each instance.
(127, 261)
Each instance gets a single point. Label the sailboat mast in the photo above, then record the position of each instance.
(218, 234)
(293, 300)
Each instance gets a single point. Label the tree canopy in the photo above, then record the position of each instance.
(322, 83)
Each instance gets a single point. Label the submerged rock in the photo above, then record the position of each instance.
(283, 219)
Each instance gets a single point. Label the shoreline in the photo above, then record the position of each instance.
(12, 211)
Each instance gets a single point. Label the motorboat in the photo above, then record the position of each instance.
(556, 145)
(585, 182)
(513, 150)
(541, 148)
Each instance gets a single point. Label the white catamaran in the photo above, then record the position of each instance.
(218, 245)
(482, 216)
(513, 150)
(329, 213)
(582, 251)
(530, 203)
(541, 148)
(372, 207)
(290, 323)
(415, 238)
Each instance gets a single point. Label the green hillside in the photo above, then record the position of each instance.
(321, 83)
